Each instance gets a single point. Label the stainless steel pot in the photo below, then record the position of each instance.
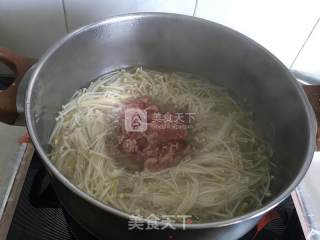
(179, 43)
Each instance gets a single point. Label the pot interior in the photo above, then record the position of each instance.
(178, 43)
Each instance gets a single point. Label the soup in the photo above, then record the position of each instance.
(162, 143)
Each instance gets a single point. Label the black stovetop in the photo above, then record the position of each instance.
(39, 216)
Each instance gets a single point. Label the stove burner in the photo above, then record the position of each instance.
(39, 216)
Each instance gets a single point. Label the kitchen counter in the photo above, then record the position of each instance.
(306, 199)
(15, 156)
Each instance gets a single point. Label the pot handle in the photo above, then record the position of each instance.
(311, 86)
(19, 65)
(313, 94)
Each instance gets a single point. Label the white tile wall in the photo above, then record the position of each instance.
(30, 27)
(280, 26)
(83, 12)
(309, 57)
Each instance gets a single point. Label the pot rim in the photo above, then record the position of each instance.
(250, 215)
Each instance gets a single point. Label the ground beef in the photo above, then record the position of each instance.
(161, 145)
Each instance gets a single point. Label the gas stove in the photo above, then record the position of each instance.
(39, 216)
